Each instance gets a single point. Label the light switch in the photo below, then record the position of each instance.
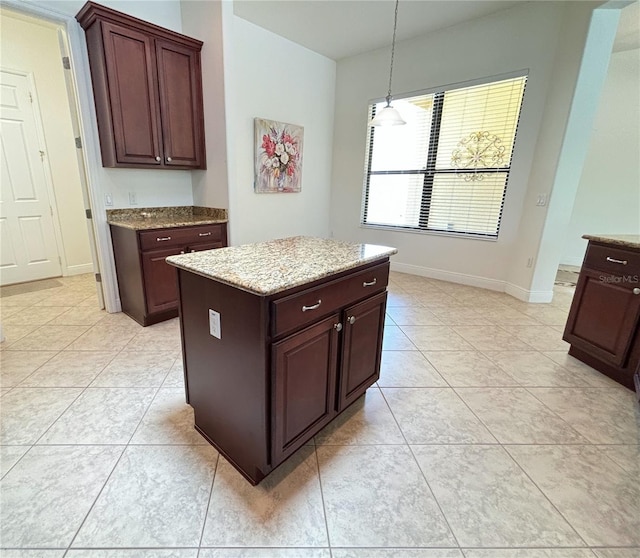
(214, 324)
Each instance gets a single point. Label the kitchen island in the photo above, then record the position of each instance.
(278, 338)
(603, 326)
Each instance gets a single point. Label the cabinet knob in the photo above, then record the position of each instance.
(158, 158)
(182, 251)
(169, 159)
(337, 327)
(636, 291)
(351, 320)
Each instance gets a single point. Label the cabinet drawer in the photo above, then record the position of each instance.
(181, 236)
(612, 260)
(299, 309)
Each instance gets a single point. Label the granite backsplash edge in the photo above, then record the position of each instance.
(177, 213)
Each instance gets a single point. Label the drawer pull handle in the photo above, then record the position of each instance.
(370, 283)
(613, 260)
(636, 291)
(313, 307)
(205, 234)
(351, 320)
(337, 327)
(163, 238)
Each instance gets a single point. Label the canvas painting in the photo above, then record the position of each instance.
(278, 157)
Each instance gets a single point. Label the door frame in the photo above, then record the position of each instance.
(80, 86)
(46, 168)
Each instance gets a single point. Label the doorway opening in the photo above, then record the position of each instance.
(45, 210)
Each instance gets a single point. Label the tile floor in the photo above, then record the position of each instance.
(482, 439)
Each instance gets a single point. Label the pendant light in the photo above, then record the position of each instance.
(389, 116)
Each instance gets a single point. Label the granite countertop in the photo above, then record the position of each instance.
(270, 267)
(142, 218)
(623, 240)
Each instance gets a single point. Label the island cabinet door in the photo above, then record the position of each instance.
(604, 316)
(160, 280)
(304, 376)
(361, 349)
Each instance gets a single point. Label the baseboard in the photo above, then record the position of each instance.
(475, 281)
(576, 262)
(78, 269)
(451, 276)
(536, 297)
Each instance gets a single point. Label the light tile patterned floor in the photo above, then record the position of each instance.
(482, 439)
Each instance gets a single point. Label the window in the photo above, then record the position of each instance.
(447, 169)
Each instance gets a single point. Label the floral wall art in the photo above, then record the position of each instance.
(278, 157)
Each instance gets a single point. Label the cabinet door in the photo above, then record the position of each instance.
(160, 280)
(361, 348)
(304, 376)
(131, 73)
(180, 85)
(604, 316)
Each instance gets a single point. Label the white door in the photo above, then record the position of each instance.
(28, 248)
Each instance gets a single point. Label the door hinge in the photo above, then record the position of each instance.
(88, 213)
(51, 210)
(98, 278)
(79, 142)
(59, 260)
(66, 63)
(30, 97)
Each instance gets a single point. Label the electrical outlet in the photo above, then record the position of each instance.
(541, 201)
(133, 198)
(214, 324)
(108, 200)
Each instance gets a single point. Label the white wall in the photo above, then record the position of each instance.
(581, 66)
(270, 77)
(31, 46)
(523, 37)
(203, 20)
(608, 198)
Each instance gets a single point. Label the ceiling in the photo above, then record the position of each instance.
(341, 28)
(628, 35)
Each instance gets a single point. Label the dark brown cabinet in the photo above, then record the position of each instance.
(147, 86)
(147, 284)
(604, 320)
(283, 365)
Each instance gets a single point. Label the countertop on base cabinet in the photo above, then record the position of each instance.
(603, 326)
(278, 339)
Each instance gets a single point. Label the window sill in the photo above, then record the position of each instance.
(462, 236)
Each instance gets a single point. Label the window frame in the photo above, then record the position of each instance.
(430, 171)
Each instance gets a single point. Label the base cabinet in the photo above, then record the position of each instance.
(147, 285)
(603, 326)
(284, 365)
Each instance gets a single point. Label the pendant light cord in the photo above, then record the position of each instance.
(393, 49)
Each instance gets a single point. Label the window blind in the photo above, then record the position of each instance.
(447, 169)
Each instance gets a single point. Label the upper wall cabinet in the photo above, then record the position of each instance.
(147, 85)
